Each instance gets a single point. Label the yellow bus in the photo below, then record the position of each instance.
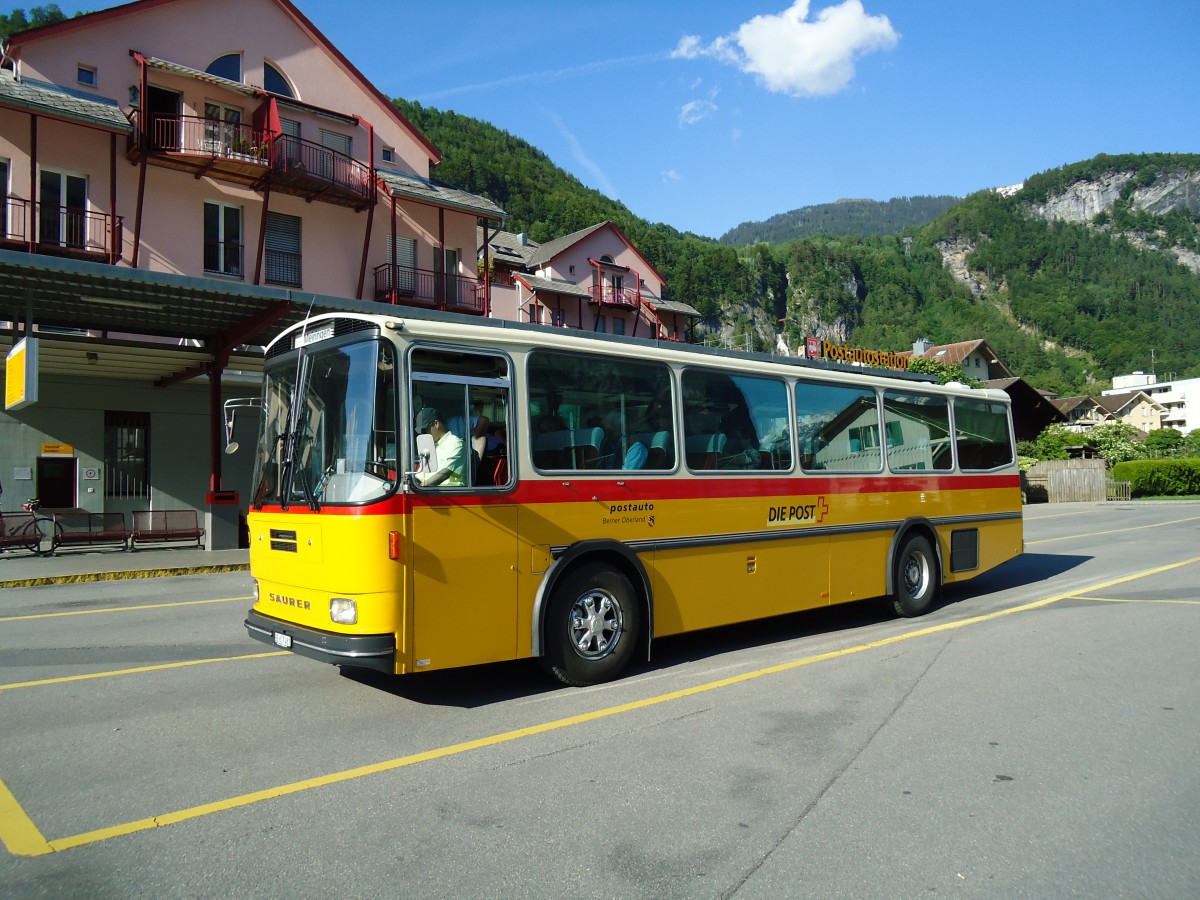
(431, 492)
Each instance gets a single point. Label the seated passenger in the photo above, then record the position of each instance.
(635, 455)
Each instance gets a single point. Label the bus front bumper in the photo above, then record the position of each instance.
(365, 651)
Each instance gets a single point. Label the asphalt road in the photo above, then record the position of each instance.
(1038, 735)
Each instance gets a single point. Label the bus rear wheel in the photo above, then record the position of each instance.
(916, 578)
(592, 626)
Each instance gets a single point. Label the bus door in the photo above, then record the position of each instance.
(464, 534)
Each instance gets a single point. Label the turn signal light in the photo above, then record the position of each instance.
(393, 545)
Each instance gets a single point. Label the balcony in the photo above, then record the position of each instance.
(60, 230)
(231, 151)
(623, 298)
(407, 286)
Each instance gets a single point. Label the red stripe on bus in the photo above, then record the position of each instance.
(617, 490)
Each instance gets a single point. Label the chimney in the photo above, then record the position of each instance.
(921, 346)
(523, 239)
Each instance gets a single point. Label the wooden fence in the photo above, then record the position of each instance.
(1071, 480)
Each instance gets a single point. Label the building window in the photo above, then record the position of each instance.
(282, 246)
(223, 129)
(389, 155)
(62, 215)
(86, 75)
(327, 164)
(223, 239)
(228, 66)
(126, 454)
(275, 82)
(618, 325)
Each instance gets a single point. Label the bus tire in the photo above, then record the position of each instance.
(591, 626)
(916, 579)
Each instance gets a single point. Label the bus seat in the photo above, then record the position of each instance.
(659, 445)
(584, 447)
(704, 449)
(550, 450)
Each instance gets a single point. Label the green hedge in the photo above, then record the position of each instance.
(1160, 477)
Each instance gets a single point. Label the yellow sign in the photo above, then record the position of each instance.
(57, 450)
(884, 359)
(20, 374)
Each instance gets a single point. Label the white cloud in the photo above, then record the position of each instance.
(791, 55)
(671, 176)
(695, 111)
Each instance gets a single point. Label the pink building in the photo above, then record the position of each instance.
(227, 139)
(178, 180)
(593, 279)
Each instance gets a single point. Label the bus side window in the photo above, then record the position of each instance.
(737, 422)
(462, 399)
(981, 434)
(594, 413)
(918, 431)
(838, 427)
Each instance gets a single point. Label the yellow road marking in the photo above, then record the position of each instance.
(18, 831)
(1071, 537)
(121, 609)
(65, 679)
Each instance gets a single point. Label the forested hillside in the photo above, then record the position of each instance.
(1071, 280)
(860, 217)
(547, 202)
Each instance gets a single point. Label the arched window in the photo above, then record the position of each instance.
(275, 82)
(227, 66)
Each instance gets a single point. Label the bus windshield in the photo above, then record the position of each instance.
(328, 427)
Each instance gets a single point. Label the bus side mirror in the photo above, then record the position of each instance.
(427, 461)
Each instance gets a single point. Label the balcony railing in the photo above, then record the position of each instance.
(626, 298)
(434, 290)
(248, 155)
(223, 258)
(60, 231)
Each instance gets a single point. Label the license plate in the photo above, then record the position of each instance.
(282, 640)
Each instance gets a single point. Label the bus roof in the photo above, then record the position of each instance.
(435, 325)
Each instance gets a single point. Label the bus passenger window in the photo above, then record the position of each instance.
(735, 422)
(599, 413)
(838, 428)
(981, 434)
(918, 431)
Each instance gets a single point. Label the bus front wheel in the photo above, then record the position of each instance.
(916, 577)
(592, 626)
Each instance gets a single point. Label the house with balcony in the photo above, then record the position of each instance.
(178, 180)
(594, 279)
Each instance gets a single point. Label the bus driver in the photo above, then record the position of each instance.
(451, 451)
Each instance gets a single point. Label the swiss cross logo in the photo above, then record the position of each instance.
(821, 509)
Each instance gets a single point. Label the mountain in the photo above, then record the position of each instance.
(1076, 276)
(1072, 277)
(864, 217)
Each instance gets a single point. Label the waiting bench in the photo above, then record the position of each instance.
(89, 528)
(165, 525)
(20, 529)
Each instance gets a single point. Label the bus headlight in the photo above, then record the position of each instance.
(343, 610)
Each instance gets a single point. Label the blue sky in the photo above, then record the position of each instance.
(707, 113)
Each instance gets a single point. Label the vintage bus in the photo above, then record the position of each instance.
(433, 492)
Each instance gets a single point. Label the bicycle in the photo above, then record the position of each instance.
(27, 532)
